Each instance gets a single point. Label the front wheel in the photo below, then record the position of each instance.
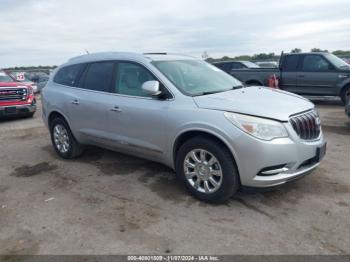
(63, 141)
(207, 169)
(345, 95)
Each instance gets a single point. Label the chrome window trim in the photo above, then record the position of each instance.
(117, 94)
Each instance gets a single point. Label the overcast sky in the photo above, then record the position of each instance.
(48, 32)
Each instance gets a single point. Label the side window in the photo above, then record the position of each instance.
(290, 63)
(130, 78)
(315, 63)
(69, 75)
(237, 66)
(224, 67)
(99, 76)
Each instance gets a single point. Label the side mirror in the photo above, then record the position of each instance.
(151, 88)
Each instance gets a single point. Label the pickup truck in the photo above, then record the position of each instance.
(311, 74)
(16, 99)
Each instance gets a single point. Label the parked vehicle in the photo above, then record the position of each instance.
(24, 80)
(227, 66)
(186, 114)
(42, 82)
(347, 105)
(16, 99)
(267, 64)
(312, 74)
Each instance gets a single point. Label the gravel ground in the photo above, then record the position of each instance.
(109, 203)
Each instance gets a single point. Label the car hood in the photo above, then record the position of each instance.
(12, 84)
(257, 101)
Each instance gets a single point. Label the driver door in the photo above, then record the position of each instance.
(136, 121)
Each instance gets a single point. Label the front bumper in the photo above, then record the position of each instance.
(17, 110)
(271, 163)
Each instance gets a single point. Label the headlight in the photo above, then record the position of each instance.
(261, 128)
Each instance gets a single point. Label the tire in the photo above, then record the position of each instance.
(228, 182)
(30, 115)
(344, 95)
(74, 149)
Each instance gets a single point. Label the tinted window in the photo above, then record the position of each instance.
(237, 66)
(69, 75)
(224, 66)
(99, 76)
(290, 63)
(130, 78)
(315, 63)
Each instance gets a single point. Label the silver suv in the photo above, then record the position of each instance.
(186, 114)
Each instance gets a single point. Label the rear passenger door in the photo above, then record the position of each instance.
(88, 110)
(289, 72)
(136, 121)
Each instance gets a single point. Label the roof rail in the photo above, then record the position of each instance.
(157, 53)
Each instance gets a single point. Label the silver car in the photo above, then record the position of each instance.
(186, 114)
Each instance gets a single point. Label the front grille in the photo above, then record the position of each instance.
(13, 94)
(306, 125)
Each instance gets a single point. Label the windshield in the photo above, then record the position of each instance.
(5, 78)
(250, 64)
(195, 77)
(336, 61)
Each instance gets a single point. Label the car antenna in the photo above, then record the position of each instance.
(87, 52)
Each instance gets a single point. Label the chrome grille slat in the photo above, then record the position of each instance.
(306, 125)
(13, 94)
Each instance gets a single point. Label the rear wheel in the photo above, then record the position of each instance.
(207, 169)
(63, 141)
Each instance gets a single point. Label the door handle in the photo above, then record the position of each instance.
(116, 109)
(75, 102)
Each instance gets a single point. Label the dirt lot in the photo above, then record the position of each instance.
(108, 203)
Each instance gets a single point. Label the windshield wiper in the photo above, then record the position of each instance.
(220, 91)
(237, 87)
(209, 93)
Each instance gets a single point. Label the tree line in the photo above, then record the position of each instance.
(271, 56)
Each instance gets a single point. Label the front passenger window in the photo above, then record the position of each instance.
(130, 77)
(315, 63)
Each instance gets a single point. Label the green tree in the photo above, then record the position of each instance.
(318, 50)
(296, 50)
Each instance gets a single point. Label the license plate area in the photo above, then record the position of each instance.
(10, 110)
(321, 152)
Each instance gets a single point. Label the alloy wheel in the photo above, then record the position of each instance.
(203, 171)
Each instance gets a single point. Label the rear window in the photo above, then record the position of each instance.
(68, 75)
(290, 63)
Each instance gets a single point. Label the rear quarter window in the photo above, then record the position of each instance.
(69, 75)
